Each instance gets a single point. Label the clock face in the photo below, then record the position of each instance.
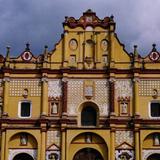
(73, 44)
(154, 56)
(27, 56)
(104, 45)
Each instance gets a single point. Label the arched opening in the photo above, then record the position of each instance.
(23, 156)
(88, 154)
(88, 116)
(154, 156)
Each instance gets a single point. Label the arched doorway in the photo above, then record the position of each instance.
(88, 154)
(23, 156)
(154, 156)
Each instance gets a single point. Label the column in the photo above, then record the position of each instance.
(65, 49)
(97, 59)
(112, 49)
(3, 145)
(137, 145)
(63, 142)
(44, 108)
(80, 56)
(43, 144)
(112, 148)
(136, 96)
(6, 95)
(64, 89)
(111, 95)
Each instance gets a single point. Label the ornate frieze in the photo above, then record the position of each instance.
(124, 154)
(17, 87)
(14, 152)
(123, 88)
(53, 137)
(54, 88)
(124, 136)
(77, 96)
(147, 87)
(102, 96)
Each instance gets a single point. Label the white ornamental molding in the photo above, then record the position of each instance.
(147, 153)
(54, 88)
(6, 79)
(14, 152)
(123, 88)
(118, 153)
(49, 153)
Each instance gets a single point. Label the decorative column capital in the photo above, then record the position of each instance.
(44, 79)
(6, 79)
(112, 80)
(136, 79)
(64, 79)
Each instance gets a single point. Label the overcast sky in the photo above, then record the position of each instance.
(39, 22)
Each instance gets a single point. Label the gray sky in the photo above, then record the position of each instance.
(39, 22)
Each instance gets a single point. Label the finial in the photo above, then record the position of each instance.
(45, 46)
(112, 17)
(89, 10)
(45, 53)
(66, 18)
(135, 51)
(154, 47)
(27, 46)
(8, 52)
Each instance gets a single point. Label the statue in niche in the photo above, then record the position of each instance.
(54, 108)
(156, 140)
(124, 108)
(25, 93)
(23, 139)
(88, 138)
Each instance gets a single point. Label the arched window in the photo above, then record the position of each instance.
(88, 116)
(154, 156)
(23, 156)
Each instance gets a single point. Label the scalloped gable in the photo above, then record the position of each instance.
(89, 18)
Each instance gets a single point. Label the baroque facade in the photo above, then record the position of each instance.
(85, 99)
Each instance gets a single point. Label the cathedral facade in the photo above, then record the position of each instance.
(85, 99)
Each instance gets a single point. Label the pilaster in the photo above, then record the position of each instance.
(80, 56)
(6, 81)
(112, 96)
(137, 144)
(136, 96)
(112, 145)
(44, 109)
(65, 56)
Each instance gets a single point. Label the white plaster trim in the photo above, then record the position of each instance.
(19, 108)
(147, 153)
(14, 152)
(149, 109)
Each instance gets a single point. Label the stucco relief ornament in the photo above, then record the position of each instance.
(73, 44)
(154, 55)
(104, 45)
(27, 56)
